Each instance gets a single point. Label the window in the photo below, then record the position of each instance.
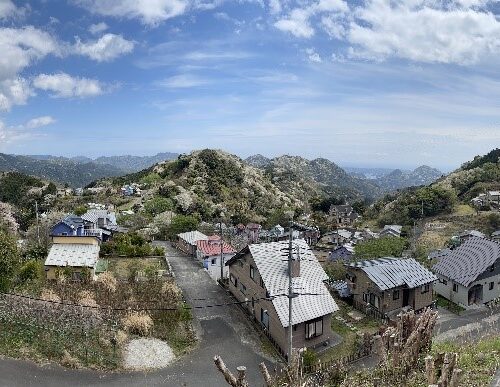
(252, 272)
(264, 318)
(395, 295)
(314, 328)
(366, 297)
(374, 300)
(443, 281)
(455, 287)
(262, 283)
(425, 288)
(233, 280)
(492, 285)
(243, 288)
(295, 327)
(214, 261)
(351, 277)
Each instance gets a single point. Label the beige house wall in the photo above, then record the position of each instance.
(81, 240)
(51, 271)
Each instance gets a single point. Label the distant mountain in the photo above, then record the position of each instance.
(126, 164)
(397, 179)
(319, 177)
(258, 161)
(58, 169)
(368, 173)
(135, 163)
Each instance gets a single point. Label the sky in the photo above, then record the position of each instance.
(380, 83)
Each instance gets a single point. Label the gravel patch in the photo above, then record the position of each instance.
(143, 354)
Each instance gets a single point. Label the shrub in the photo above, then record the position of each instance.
(309, 358)
(139, 323)
(171, 291)
(9, 260)
(107, 281)
(30, 271)
(69, 361)
(86, 298)
(49, 295)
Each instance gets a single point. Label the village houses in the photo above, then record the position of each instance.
(470, 274)
(188, 241)
(209, 252)
(259, 276)
(390, 284)
(343, 215)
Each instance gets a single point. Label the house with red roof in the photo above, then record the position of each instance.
(209, 252)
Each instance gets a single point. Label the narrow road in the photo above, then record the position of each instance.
(223, 331)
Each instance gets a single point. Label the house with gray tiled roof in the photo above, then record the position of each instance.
(470, 273)
(259, 276)
(390, 284)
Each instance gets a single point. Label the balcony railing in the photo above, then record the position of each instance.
(92, 232)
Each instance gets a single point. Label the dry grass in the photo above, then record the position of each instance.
(138, 323)
(171, 291)
(69, 361)
(107, 281)
(121, 337)
(86, 298)
(50, 295)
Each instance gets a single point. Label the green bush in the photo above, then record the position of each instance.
(9, 260)
(30, 271)
(383, 247)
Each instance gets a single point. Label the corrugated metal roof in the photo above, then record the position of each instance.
(388, 273)
(192, 237)
(271, 261)
(72, 254)
(465, 263)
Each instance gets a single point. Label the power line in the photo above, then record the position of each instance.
(193, 307)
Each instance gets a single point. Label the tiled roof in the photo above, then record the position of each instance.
(388, 273)
(271, 261)
(465, 263)
(192, 237)
(73, 221)
(394, 227)
(72, 254)
(94, 215)
(211, 247)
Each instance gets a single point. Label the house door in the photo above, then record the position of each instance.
(406, 297)
(476, 294)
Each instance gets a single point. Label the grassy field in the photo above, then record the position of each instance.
(122, 268)
(25, 340)
(351, 340)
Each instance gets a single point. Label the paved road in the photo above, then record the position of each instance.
(223, 331)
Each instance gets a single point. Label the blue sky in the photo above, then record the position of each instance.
(366, 83)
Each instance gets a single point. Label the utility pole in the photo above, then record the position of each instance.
(290, 294)
(37, 223)
(221, 252)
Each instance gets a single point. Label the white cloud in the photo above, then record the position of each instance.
(421, 31)
(7, 9)
(19, 48)
(63, 85)
(10, 134)
(105, 49)
(313, 55)
(298, 21)
(183, 81)
(38, 122)
(150, 12)
(98, 28)
(275, 6)
(15, 91)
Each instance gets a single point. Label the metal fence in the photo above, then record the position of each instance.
(371, 311)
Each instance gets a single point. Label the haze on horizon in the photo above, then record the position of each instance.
(367, 83)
